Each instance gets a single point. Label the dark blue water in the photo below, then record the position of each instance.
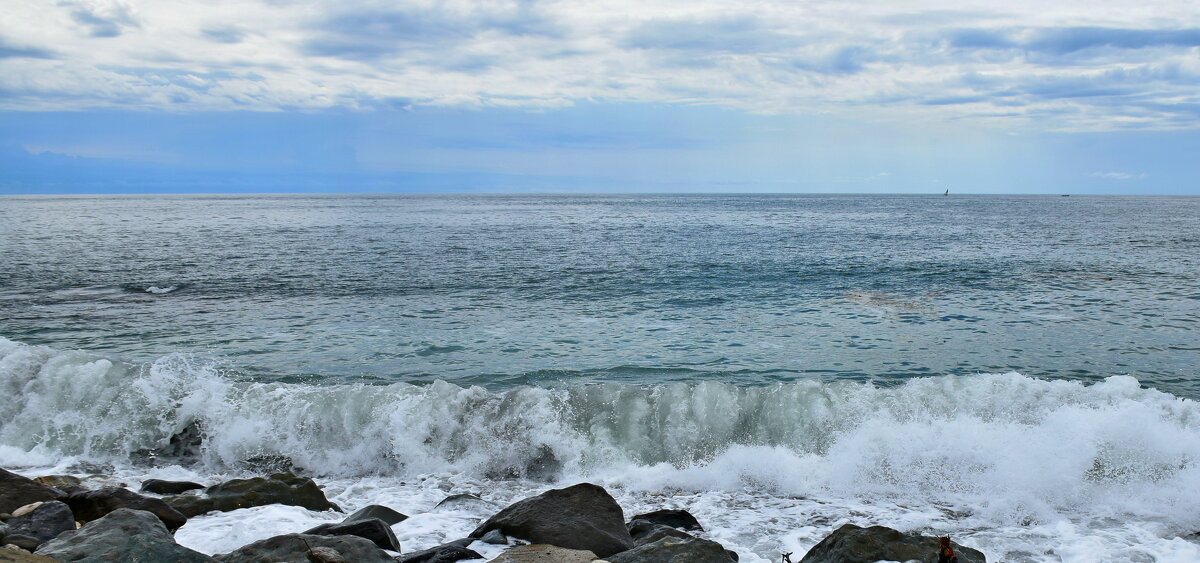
(511, 290)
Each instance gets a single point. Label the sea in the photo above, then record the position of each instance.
(1018, 372)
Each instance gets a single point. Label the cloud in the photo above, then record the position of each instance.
(102, 19)
(11, 51)
(1061, 41)
(738, 34)
(1119, 175)
(223, 34)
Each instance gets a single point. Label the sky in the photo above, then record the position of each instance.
(108, 96)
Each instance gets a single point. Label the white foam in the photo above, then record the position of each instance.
(161, 290)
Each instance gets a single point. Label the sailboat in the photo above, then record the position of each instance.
(947, 192)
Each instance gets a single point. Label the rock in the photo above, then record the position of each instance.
(12, 556)
(462, 501)
(324, 555)
(3, 531)
(25, 509)
(94, 504)
(582, 516)
(681, 519)
(850, 544)
(45, 522)
(295, 548)
(60, 481)
(160, 487)
(372, 529)
(538, 553)
(28, 543)
(391, 517)
(445, 553)
(675, 550)
(644, 532)
(494, 537)
(121, 535)
(17, 491)
(280, 488)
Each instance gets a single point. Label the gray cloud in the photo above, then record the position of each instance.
(741, 35)
(11, 51)
(228, 34)
(101, 21)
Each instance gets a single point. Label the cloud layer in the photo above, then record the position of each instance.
(1072, 66)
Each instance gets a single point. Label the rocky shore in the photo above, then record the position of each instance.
(60, 518)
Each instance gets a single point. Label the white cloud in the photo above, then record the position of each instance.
(1075, 65)
(1119, 175)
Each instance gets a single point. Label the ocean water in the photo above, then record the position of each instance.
(1018, 372)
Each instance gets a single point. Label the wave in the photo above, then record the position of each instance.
(1016, 447)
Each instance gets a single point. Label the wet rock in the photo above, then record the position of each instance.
(161, 487)
(494, 537)
(582, 516)
(17, 491)
(3, 531)
(121, 535)
(681, 519)
(391, 517)
(92, 505)
(464, 501)
(60, 481)
(675, 550)
(325, 555)
(295, 548)
(851, 544)
(538, 553)
(185, 443)
(45, 522)
(644, 532)
(28, 543)
(14, 556)
(280, 488)
(372, 529)
(445, 553)
(25, 509)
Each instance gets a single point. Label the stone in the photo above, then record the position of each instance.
(445, 553)
(60, 481)
(391, 517)
(295, 548)
(17, 491)
(463, 501)
(644, 532)
(680, 519)
(45, 522)
(672, 549)
(121, 535)
(324, 555)
(280, 488)
(12, 556)
(372, 529)
(94, 504)
(494, 537)
(582, 516)
(28, 543)
(25, 509)
(161, 487)
(851, 544)
(539, 553)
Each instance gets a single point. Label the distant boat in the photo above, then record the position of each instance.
(1066, 195)
(947, 192)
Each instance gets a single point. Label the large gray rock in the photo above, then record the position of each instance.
(121, 535)
(280, 488)
(161, 487)
(372, 529)
(45, 523)
(680, 519)
(94, 504)
(17, 491)
(389, 516)
(854, 544)
(295, 548)
(644, 532)
(675, 550)
(538, 553)
(582, 516)
(445, 553)
(8, 556)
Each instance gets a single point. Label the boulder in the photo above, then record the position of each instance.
(94, 504)
(463, 501)
(160, 487)
(681, 519)
(494, 537)
(121, 535)
(537, 553)
(11, 556)
(852, 544)
(644, 532)
(280, 488)
(60, 481)
(675, 550)
(445, 553)
(295, 548)
(372, 529)
(45, 522)
(17, 491)
(27, 543)
(391, 517)
(325, 555)
(582, 516)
